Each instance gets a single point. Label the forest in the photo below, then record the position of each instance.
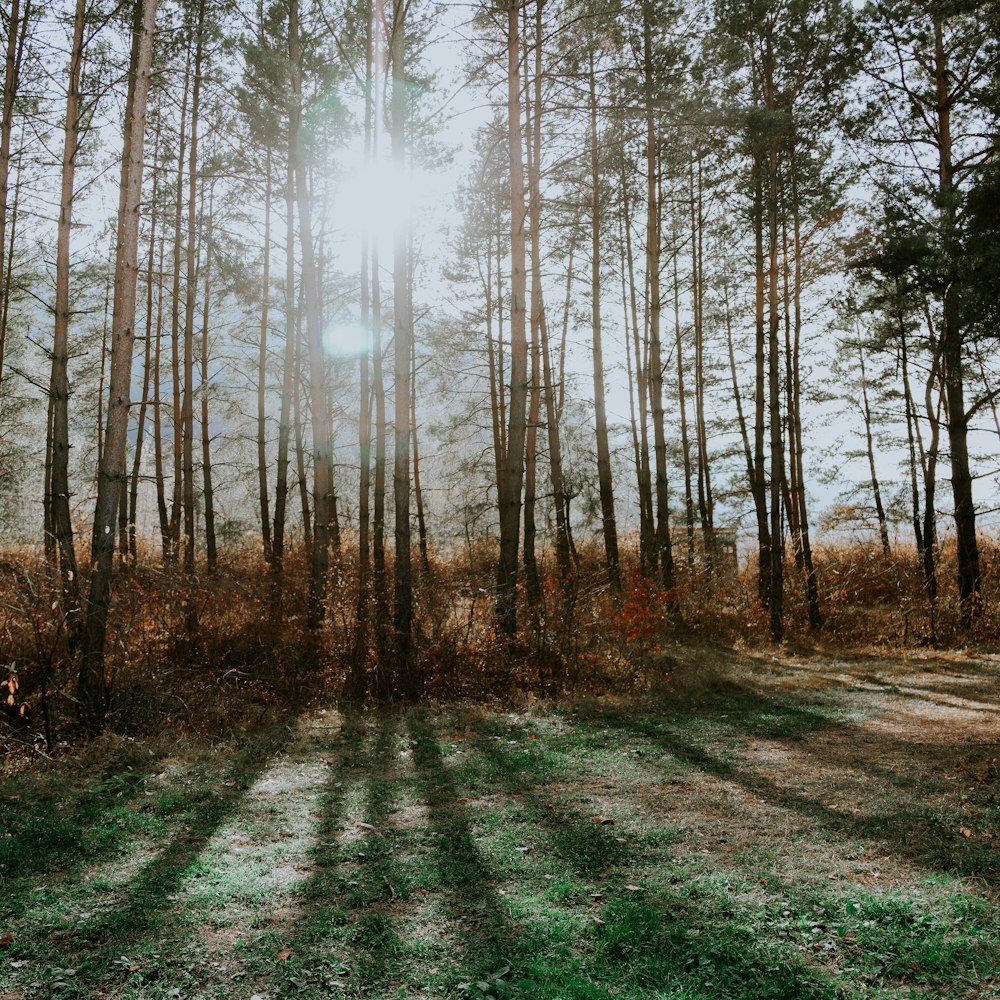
(499, 499)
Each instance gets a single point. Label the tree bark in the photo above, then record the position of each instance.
(866, 412)
(403, 575)
(17, 29)
(322, 487)
(663, 543)
(418, 496)
(289, 377)
(147, 365)
(706, 500)
(682, 407)
(604, 475)
(61, 522)
(211, 554)
(161, 498)
(970, 592)
(175, 327)
(91, 687)
(265, 302)
(191, 291)
(513, 478)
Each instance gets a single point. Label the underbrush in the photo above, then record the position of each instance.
(231, 648)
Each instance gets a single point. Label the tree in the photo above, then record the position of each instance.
(91, 686)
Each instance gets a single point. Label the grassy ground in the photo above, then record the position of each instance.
(769, 829)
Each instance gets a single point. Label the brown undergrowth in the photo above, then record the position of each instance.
(232, 647)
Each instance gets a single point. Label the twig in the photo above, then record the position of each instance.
(30, 746)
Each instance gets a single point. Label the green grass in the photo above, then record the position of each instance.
(454, 853)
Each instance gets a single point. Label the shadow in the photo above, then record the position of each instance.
(590, 850)
(911, 831)
(92, 945)
(488, 936)
(679, 938)
(373, 934)
(316, 943)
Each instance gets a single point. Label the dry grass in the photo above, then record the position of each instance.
(224, 652)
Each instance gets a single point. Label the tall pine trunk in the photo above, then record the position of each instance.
(604, 475)
(147, 363)
(191, 291)
(513, 473)
(61, 523)
(402, 577)
(265, 303)
(289, 378)
(320, 423)
(91, 686)
(663, 543)
(206, 439)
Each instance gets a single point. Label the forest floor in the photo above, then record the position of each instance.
(771, 827)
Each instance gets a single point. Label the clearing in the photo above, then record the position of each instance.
(771, 827)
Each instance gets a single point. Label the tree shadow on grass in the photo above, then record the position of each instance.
(486, 935)
(909, 829)
(338, 936)
(678, 942)
(91, 943)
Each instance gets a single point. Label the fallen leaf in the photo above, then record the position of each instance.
(634, 888)
(965, 831)
(602, 820)
(284, 955)
(598, 921)
(7, 938)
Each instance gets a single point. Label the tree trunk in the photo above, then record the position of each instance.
(531, 581)
(970, 593)
(682, 408)
(418, 496)
(191, 291)
(265, 302)
(300, 450)
(61, 522)
(175, 328)
(866, 412)
(647, 539)
(665, 551)
(604, 475)
(322, 490)
(161, 498)
(91, 687)
(356, 687)
(706, 500)
(513, 478)
(289, 378)
(206, 439)
(402, 578)
(147, 364)
(796, 454)
(538, 318)
(17, 28)
(758, 485)
(774, 404)
(6, 276)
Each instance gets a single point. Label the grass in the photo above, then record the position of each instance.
(774, 833)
